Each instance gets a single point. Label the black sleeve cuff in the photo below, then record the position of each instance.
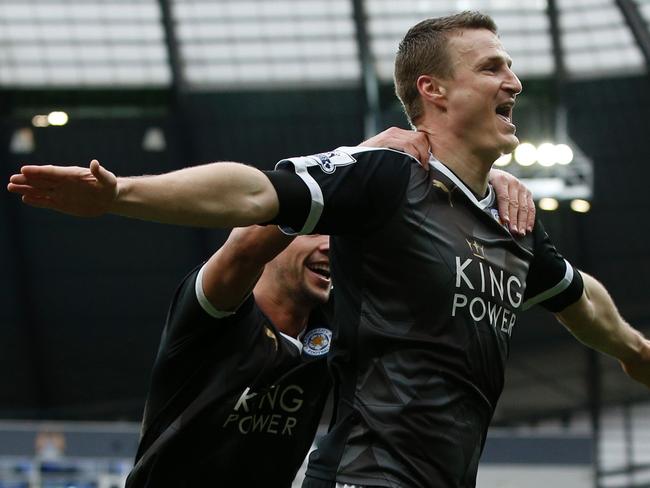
(293, 197)
(569, 296)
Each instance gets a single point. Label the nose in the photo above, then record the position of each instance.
(512, 83)
(324, 245)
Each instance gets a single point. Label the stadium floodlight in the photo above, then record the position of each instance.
(57, 118)
(564, 154)
(22, 141)
(154, 140)
(547, 154)
(548, 204)
(526, 154)
(40, 121)
(581, 206)
(504, 160)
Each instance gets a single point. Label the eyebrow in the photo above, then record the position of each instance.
(493, 59)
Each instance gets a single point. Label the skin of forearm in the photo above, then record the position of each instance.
(212, 195)
(595, 321)
(254, 246)
(232, 272)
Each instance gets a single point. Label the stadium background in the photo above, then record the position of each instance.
(152, 86)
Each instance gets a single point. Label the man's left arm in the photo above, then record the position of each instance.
(584, 307)
(595, 321)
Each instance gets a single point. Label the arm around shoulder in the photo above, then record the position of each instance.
(595, 321)
(232, 272)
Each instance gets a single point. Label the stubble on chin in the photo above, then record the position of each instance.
(511, 145)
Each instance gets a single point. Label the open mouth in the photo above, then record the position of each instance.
(504, 111)
(320, 269)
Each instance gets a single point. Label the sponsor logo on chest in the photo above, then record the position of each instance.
(485, 291)
(274, 411)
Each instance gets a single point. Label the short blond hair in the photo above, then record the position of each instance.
(424, 50)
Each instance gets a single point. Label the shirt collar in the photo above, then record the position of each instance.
(482, 204)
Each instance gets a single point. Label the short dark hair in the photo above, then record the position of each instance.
(424, 50)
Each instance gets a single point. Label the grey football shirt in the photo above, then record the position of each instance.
(429, 288)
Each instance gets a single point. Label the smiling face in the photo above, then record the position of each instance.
(303, 269)
(481, 93)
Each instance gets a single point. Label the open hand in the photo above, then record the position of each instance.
(83, 192)
(639, 368)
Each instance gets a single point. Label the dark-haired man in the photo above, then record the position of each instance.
(240, 370)
(421, 371)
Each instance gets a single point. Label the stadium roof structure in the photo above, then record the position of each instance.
(223, 44)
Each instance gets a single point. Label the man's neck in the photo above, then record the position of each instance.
(287, 314)
(473, 169)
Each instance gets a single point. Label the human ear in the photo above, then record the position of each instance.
(433, 91)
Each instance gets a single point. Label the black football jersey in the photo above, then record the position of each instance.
(429, 287)
(233, 401)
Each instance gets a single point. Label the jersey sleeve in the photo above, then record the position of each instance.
(552, 281)
(348, 190)
(190, 311)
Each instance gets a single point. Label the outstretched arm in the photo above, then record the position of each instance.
(212, 195)
(216, 194)
(596, 322)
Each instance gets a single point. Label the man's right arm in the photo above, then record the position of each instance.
(212, 195)
(231, 194)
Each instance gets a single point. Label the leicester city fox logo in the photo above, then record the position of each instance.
(329, 161)
(316, 342)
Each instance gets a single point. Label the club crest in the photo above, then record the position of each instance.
(316, 342)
